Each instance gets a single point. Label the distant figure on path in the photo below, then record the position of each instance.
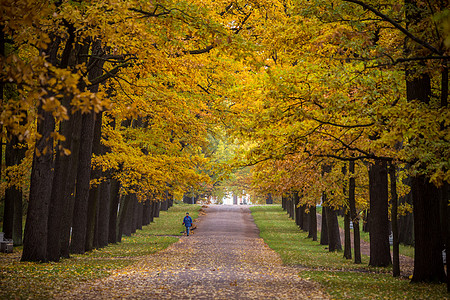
(187, 221)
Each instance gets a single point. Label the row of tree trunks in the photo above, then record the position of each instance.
(305, 218)
(65, 215)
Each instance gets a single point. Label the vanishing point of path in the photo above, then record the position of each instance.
(223, 259)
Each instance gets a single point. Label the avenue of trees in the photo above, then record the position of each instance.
(109, 109)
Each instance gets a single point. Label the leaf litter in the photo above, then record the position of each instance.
(224, 258)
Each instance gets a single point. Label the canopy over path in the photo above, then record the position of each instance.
(223, 259)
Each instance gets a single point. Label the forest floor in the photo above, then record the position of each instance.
(224, 258)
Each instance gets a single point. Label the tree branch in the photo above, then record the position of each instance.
(396, 25)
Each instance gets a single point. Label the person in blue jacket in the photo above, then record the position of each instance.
(187, 221)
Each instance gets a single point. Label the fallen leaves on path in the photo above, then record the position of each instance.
(225, 260)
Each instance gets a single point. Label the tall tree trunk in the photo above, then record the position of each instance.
(165, 203)
(283, 202)
(81, 50)
(380, 252)
(394, 201)
(113, 211)
(324, 226)
(79, 222)
(170, 200)
(134, 223)
(80, 215)
(91, 218)
(354, 214)
(347, 240)
(35, 239)
(334, 237)
(138, 214)
(146, 210)
(104, 213)
(156, 209)
(444, 195)
(58, 199)
(128, 228)
(124, 209)
(12, 220)
(94, 193)
(428, 264)
(305, 218)
(69, 190)
(269, 199)
(296, 200)
(312, 229)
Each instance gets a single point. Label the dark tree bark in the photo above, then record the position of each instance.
(94, 193)
(394, 201)
(305, 218)
(312, 229)
(334, 237)
(380, 252)
(134, 223)
(152, 204)
(324, 227)
(296, 200)
(138, 214)
(12, 217)
(80, 56)
(57, 200)
(347, 241)
(92, 208)
(82, 185)
(80, 215)
(113, 211)
(428, 264)
(170, 200)
(165, 203)
(444, 196)
(69, 190)
(104, 214)
(156, 209)
(129, 228)
(146, 211)
(354, 214)
(123, 211)
(35, 239)
(366, 221)
(283, 202)
(269, 199)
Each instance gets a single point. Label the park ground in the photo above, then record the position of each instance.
(226, 257)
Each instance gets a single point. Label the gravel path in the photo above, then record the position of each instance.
(223, 259)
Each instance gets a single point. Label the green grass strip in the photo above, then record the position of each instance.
(27, 280)
(341, 278)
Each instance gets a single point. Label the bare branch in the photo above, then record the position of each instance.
(396, 25)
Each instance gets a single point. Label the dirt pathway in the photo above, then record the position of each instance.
(223, 259)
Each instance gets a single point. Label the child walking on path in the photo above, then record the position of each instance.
(187, 221)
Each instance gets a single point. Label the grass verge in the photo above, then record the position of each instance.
(340, 277)
(27, 280)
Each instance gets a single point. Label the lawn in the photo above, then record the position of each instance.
(26, 280)
(341, 278)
